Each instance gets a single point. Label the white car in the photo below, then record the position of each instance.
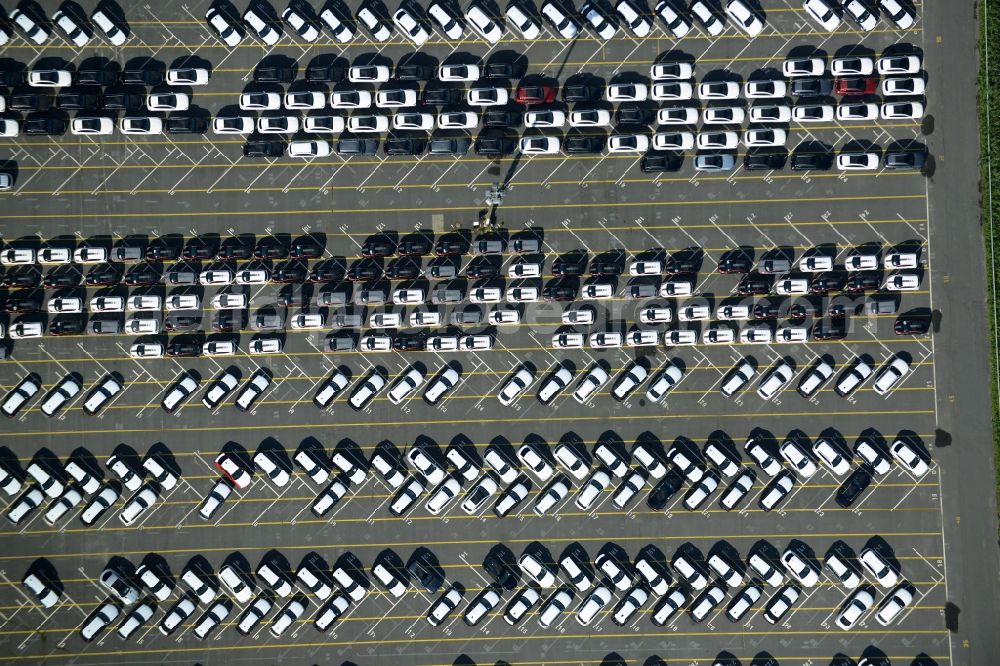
(696, 312)
(545, 118)
(858, 111)
(396, 98)
(70, 27)
(262, 28)
(409, 26)
(304, 99)
(457, 120)
(140, 125)
(756, 138)
(804, 572)
(628, 381)
(857, 161)
(633, 17)
(539, 145)
(515, 386)
(739, 13)
(413, 121)
(656, 315)
(64, 304)
(595, 602)
(901, 17)
(448, 23)
(898, 64)
(794, 67)
(710, 23)
(902, 282)
(520, 19)
(187, 76)
(671, 91)
(168, 101)
(481, 23)
(100, 125)
(861, 15)
(627, 92)
(17, 256)
(902, 111)
(260, 101)
(491, 96)
(278, 125)
(879, 568)
(114, 35)
(770, 114)
(678, 26)
(176, 302)
(456, 72)
(718, 335)
(554, 385)
(378, 30)
(766, 89)
(896, 259)
(727, 140)
(677, 115)
(313, 148)
(350, 99)
(663, 383)
(908, 458)
(852, 66)
(49, 78)
(830, 457)
(894, 604)
(565, 25)
(823, 13)
(228, 31)
(718, 90)
(595, 378)
(146, 350)
(797, 458)
(216, 277)
(368, 74)
(229, 301)
(628, 143)
(774, 381)
(590, 118)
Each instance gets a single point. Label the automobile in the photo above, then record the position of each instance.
(812, 113)
(663, 382)
(907, 456)
(230, 32)
(20, 395)
(857, 111)
(478, 18)
(902, 111)
(482, 604)
(701, 490)
(774, 381)
(216, 496)
(626, 92)
(830, 457)
(565, 25)
(706, 602)
(803, 570)
(158, 468)
(255, 613)
(894, 603)
(904, 159)
(628, 143)
(795, 455)
(742, 16)
(328, 498)
(261, 26)
(302, 26)
(775, 492)
(764, 138)
(781, 603)
(890, 374)
(101, 617)
(187, 76)
(63, 392)
(289, 614)
(522, 19)
(765, 89)
(890, 65)
(216, 277)
(707, 18)
(853, 486)
(267, 462)
(714, 162)
(860, 15)
(278, 124)
(814, 378)
(879, 567)
(673, 600)
(512, 496)
(139, 503)
(770, 114)
(99, 396)
(601, 25)
(847, 85)
(900, 16)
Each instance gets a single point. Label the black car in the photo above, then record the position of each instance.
(410, 342)
(328, 73)
(29, 101)
(482, 268)
(411, 72)
(677, 265)
(811, 161)
(449, 146)
(500, 118)
(97, 76)
(414, 247)
(424, 567)
(504, 70)
(326, 273)
(752, 285)
(766, 310)
(440, 95)
(142, 77)
(495, 144)
(569, 266)
(378, 247)
(633, 114)
(905, 159)
(403, 269)
(559, 292)
(263, 149)
(911, 325)
(605, 267)
(227, 322)
(270, 250)
(659, 161)
(67, 326)
(580, 144)
(357, 146)
(197, 250)
(183, 349)
(665, 489)
(852, 487)
(61, 279)
(811, 87)
(161, 252)
(824, 284)
(12, 78)
(289, 274)
(761, 160)
(501, 564)
(44, 125)
(186, 124)
(735, 264)
(364, 270)
(450, 247)
(142, 277)
(271, 74)
(20, 304)
(176, 322)
(829, 331)
(862, 281)
(71, 100)
(398, 145)
(121, 101)
(581, 92)
(797, 313)
(103, 276)
(233, 249)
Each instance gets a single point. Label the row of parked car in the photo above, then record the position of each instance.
(69, 22)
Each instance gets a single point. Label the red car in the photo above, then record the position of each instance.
(856, 85)
(232, 470)
(536, 94)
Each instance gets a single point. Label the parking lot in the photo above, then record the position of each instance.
(178, 189)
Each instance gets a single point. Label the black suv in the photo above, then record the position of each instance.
(262, 74)
(495, 144)
(410, 72)
(633, 114)
(330, 73)
(442, 96)
(263, 149)
(502, 118)
(503, 70)
(93, 76)
(582, 144)
(581, 92)
(763, 161)
(357, 146)
(74, 100)
(142, 77)
(657, 162)
(45, 125)
(186, 124)
(121, 100)
(404, 146)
